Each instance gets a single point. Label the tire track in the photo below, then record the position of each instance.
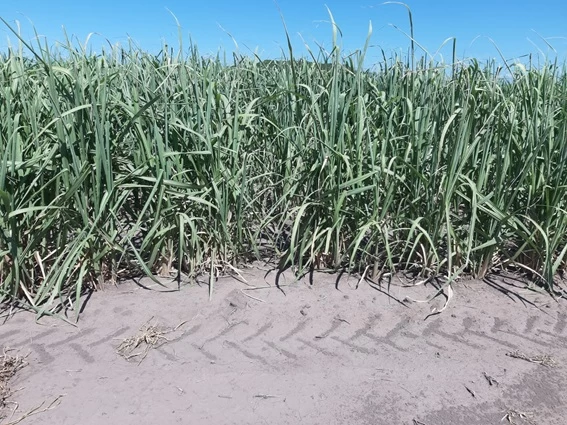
(317, 349)
(45, 333)
(468, 322)
(246, 353)
(560, 324)
(300, 326)
(43, 355)
(167, 354)
(8, 334)
(355, 347)
(36, 338)
(364, 330)
(205, 353)
(280, 350)
(433, 329)
(83, 354)
(225, 331)
(499, 323)
(187, 333)
(108, 337)
(530, 324)
(388, 339)
(258, 333)
(334, 326)
(72, 338)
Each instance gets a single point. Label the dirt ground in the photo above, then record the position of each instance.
(326, 353)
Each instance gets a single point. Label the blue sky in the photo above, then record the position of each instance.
(256, 24)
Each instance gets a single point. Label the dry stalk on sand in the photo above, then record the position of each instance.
(544, 360)
(9, 366)
(36, 410)
(149, 336)
(512, 414)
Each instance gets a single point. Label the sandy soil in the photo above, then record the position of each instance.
(326, 353)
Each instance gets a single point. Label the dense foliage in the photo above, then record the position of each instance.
(125, 161)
